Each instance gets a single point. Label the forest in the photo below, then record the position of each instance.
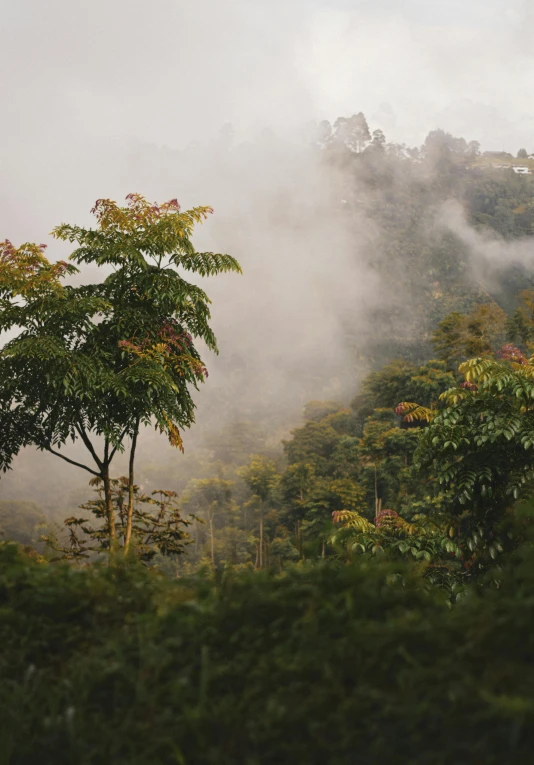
(352, 585)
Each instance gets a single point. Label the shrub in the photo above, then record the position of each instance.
(325, 664)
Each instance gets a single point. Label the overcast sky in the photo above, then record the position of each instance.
(169, 71)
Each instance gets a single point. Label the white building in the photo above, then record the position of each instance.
(521, 170)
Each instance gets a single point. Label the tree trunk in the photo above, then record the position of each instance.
(261, 537)
(212, 541)
(109, 505)
(129, 516)
(376, 495)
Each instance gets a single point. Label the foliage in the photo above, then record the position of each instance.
(481, 332)
(210, 499)
(42, 366)
(479, 449)
(309, 667)
(520, 326)
(157, 525)
(426, 537)
(316, 411)
(261, 477)
(104, 359)
(25, 273)
(401, 380)
(501, 201)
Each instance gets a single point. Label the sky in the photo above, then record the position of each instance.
(172, 71)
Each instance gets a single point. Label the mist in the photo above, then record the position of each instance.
(212, 103)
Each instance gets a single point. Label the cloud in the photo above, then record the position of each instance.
(489, 255)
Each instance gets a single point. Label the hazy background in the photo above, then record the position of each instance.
(104, 98)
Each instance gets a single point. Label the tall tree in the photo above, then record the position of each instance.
(462, 336)
(261, 476)
(480, 448)
(209, 498)
(352, 132)
(102, 360)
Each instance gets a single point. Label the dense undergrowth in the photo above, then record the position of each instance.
(323, 664)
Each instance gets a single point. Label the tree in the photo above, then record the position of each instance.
(312, 444)
(209, 497)
(323, 134)
(438, 141)
(398, 380)
(318, 410)
(352, 132)
(384, 456)
(520, 326)
(378, 141)
(158, 527)
(480, 449)
(426, 538)
(473, 150)
(522, 154)
(104, 359)
(45, 360)
(460, 336)
(261, 477)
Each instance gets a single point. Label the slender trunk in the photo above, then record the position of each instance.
(261, 536)
(322, 551)
(129, 516)
(376, 495)
(257, 556)
(109, 505)
(212, 540)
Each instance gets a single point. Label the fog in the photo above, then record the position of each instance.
(101, 99)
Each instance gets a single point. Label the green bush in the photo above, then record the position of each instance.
(326, 664)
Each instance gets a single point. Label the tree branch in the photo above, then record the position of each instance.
(85, 438)
(114, 450)
(71, 462)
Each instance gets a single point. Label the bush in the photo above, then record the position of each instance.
(325, 664)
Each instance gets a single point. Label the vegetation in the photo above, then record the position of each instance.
(364, 586)
(101, 360)
(308, 667)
